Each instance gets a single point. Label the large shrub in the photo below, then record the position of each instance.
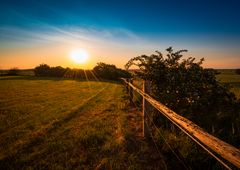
(192, 91)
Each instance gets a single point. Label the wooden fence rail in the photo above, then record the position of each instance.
(202, 138)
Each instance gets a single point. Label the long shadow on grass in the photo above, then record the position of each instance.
(14, 160)
(56, 79)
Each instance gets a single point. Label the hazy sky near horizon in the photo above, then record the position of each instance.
(113, 31)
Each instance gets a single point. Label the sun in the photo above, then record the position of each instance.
(79, 56)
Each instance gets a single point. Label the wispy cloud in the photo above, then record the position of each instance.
(67, 35)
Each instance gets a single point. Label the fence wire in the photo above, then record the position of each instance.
(212, 153)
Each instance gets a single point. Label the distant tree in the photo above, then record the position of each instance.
(57, 71)
(13, 71)
(109, 71)
(237, 71)
(42, 70)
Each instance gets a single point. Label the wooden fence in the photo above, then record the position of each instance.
(214, 146)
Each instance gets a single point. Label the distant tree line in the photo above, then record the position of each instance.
(13, 71)
(16, 72)
(100, 71)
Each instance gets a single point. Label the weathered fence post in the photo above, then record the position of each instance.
(127, 86)
(214, 146)
(146, 109)
(131, 92)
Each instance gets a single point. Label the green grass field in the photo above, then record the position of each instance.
(233, 80)
(68, 124)
(52, 123)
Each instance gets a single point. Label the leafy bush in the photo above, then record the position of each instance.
(192, 91)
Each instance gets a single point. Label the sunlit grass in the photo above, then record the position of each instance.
(233, 80)
(229, 78)
(236, 91)
(50, 123)
(38, 118)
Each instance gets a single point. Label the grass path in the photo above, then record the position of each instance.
(51, 124)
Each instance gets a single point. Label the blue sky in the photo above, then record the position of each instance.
(207, 28)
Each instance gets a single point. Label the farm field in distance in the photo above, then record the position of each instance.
(55, 123)
(229, 77)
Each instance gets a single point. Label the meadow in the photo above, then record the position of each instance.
(229, 77)
(59, 123)
(52, 123)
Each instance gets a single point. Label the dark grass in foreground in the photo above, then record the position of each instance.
(49, 124)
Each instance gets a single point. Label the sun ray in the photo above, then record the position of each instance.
(91, 71)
